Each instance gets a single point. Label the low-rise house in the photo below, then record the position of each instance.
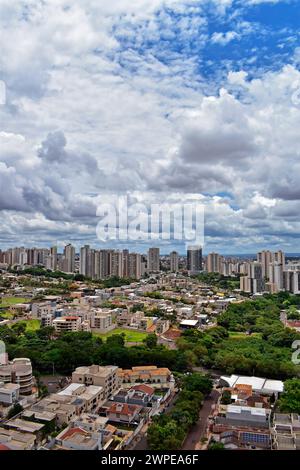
(78, 439)
(286, 431)
(9, 393)
(185, 312)
(141, 395)
(46, 418)
(26, 427)
(61, 406)
(243, 395)
(16, 440)
(189, 324)
(91, 395)
(19, 309)
(245, 438)
(145, 374)
(90, 422)
(123, 413)
(244, 416)
(293, 324)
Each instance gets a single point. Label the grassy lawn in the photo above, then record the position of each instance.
(242, 335)
(7, 301)
(131, 335)
(32, 325)
(6, 315)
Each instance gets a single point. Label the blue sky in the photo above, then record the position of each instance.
(161, 99)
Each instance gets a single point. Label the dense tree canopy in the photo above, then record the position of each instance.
(290, 400)
(168, 431)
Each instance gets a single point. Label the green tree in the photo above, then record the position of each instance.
(15, 410)
(19, 328)
(226, 397)
(216, 446)
(289, 401)
(199, 383)
(150, 341)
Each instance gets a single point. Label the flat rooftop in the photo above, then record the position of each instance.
(257, 383)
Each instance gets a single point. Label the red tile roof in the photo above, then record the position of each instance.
(4, 447)
(144, 388)
(72, 431)
(124, 409)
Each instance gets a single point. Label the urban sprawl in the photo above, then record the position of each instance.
(114, 350)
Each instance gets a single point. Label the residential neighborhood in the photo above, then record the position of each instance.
(111, 362)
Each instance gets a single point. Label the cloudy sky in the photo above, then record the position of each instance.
(158, 99)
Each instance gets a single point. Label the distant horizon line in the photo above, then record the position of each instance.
(238, 255)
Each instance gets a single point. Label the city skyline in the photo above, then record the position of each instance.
(162, 100)
(142, 249)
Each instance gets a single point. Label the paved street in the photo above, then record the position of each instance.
(142, 443)
(198, 431)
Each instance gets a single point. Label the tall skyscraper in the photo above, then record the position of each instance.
(174, 262)
(194, 259)
(279, 257)
(134, 266)
(23, 257)
(87, 261)
(257, 278)
(53, 258)
(117, 263)
(69, 255)
(125, 263)
(291, 279)
(265, 258)
(254, 282)
(276, 274)
(153, 262)
(213, 264)
(245, 284)
(105, 263)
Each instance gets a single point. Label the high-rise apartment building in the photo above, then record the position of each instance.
(125, 263)
(117, 263)
(194, 259)
(53, 258)
(276, 274)
(291, 281)
(174, 262)
(213, 263)
(69, 256)
(87, 261)
(279, 257)
(254, 282)
(134, 266)
(153, 261)
(257, 278)
(265, 258)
